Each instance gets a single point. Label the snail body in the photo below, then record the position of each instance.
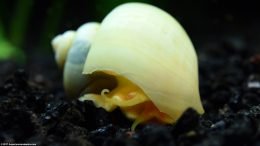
(152, 61)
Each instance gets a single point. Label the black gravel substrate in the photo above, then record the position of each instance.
(33, 107)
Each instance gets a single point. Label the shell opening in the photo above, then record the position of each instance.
(132, 101)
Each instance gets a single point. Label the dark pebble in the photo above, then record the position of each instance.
(187, 122)
(155, 135)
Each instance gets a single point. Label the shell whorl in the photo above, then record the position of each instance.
(71, 49)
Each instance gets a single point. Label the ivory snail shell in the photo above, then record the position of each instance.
(142, 61)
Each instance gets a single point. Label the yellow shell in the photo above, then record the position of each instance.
(147, 47)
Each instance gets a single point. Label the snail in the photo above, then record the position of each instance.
(138, 59)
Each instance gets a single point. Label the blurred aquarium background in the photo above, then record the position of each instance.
(27, 26)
